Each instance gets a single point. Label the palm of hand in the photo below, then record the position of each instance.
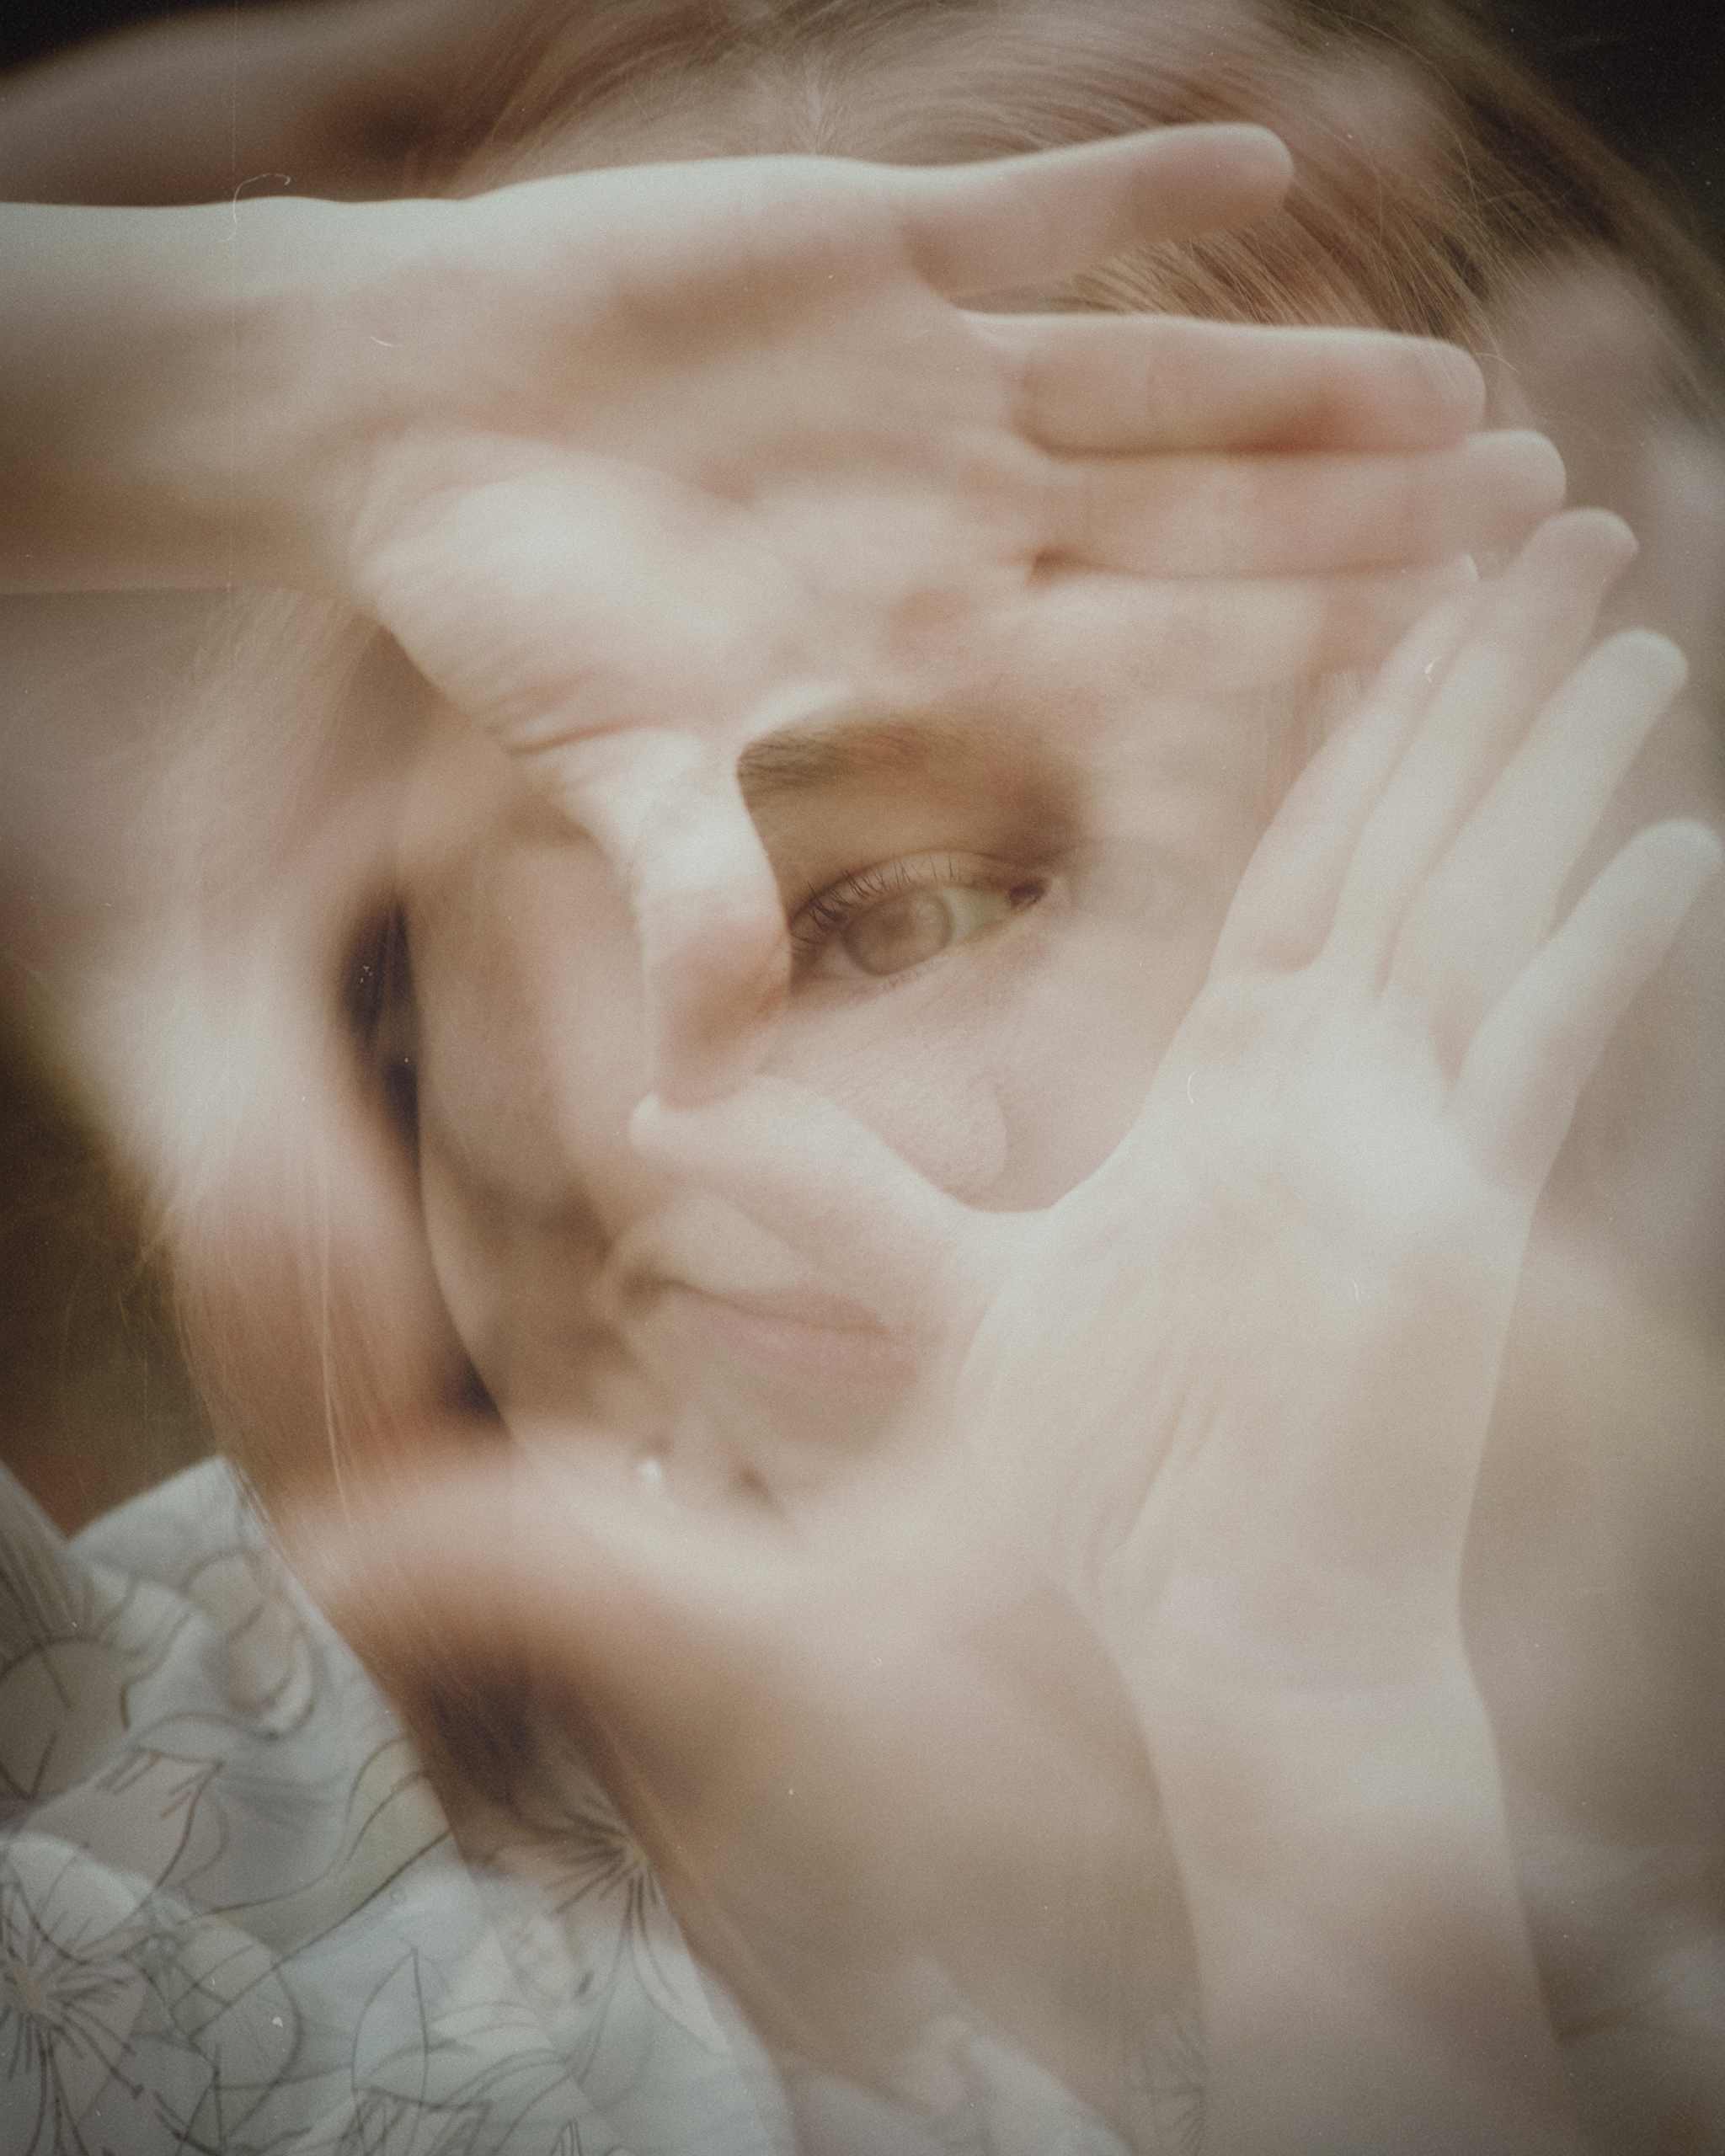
(683, 505)
(1251, 1361)
(1295, 1239)
(1296, 1275)
(718, 450)
(1255, 1480)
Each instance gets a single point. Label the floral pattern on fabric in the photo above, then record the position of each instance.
(232, 1913)
(234, 1918)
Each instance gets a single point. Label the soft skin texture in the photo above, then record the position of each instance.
(837, 1263)
(504, 427)
(1229, 1391)
(1120, 847)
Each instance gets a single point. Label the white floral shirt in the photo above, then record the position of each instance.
(233, 1916)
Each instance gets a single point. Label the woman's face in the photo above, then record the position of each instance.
(994, 936)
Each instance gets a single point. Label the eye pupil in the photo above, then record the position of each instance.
(890, 920)
(902, 933)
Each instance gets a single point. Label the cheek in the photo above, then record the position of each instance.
(1086, 1035)
(530, 1060)
(922, 1078)
(516, 1284)
(521, 1292)
(532, 1047)
(1006, 1077)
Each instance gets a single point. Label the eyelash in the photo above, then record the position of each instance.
(827, 915)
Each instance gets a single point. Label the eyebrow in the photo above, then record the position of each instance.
(804, 759)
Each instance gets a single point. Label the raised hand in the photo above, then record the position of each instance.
(660, 459)
(1235, 1386)
(1232, 1389)
(1372, 1084)
(638, 465)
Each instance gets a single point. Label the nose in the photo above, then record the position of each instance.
(928, 1096)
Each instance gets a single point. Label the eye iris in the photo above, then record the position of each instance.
(899, 932)
(903, 933)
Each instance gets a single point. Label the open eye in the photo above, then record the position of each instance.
(890, 919)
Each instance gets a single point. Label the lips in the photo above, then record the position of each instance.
(699, 1283)
(804, 1338)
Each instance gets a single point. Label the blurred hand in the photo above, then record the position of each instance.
(636, 465)
(852, 1756)
(1233, 1390)
(1329, 1187)
(649, 461)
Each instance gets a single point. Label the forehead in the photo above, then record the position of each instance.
(1033, 769)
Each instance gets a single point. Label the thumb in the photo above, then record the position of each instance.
(1017, 221)
(458, 1570)
(461, 1567)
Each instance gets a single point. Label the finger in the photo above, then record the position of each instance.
(1154, 382)
(668, 811)
(1217, 635)
(1281, 515)
(1017, 221)
(825, 1185)
(1530, 1059)
(466, 1567)
(1490, 903)
(462, 1565)
(1287, 898)
(1531, 628)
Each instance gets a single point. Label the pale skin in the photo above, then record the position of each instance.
(1230, 1392)
(1336, 1165)
(506, 539)
(503, 427)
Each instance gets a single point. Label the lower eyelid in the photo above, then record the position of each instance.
(1020, 891)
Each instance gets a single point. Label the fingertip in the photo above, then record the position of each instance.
(1451, 379)
(1610, 528)
(1258, 151)
(1654, 885)
(1693, 846)
(1003, 225)
(1665, 663)
(1536, 466)
(1211, 177)
(1604, 533)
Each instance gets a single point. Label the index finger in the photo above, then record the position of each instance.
(669, 814)
(1015, 221)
